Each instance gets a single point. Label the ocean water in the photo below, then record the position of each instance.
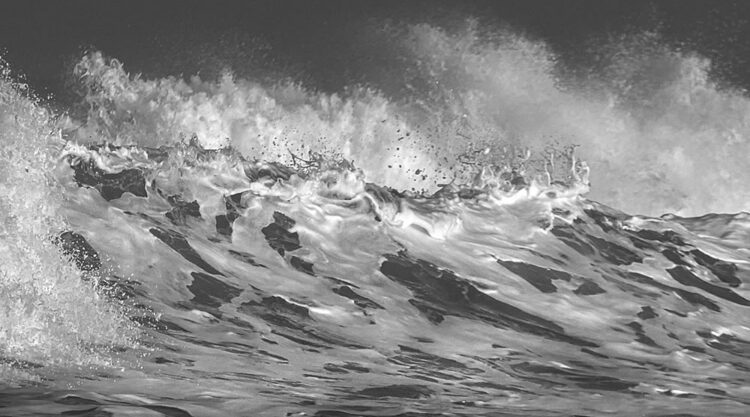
(498, 237)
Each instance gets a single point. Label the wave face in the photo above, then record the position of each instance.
(189, 247)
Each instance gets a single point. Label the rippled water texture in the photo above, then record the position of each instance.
(191, 247)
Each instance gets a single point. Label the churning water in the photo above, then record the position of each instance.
(227, 246)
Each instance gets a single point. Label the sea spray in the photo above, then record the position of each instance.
(50, 315)
(379, 250)
(641, 116)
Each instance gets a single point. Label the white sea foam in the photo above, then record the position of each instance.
(659, 135)
(50, 316)
(278, 254)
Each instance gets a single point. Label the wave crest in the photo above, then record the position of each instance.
(643, 114)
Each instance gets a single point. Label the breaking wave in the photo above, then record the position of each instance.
(642, 119)
(425, 243)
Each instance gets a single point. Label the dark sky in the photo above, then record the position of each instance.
(315, 42)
